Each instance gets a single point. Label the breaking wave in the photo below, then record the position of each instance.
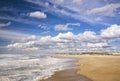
(29, 67)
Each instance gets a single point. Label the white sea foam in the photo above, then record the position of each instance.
(29, 67)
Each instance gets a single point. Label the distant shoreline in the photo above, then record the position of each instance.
(90, 53)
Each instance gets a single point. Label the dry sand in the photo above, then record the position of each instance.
(96, 68)
(100, 68)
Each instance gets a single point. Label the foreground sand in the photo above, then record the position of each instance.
(96, 68)
(100, 68)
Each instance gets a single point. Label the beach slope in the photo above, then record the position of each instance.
(90, 68)
(100, 68)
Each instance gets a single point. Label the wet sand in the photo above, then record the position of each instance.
(67, 75)
(90, 68)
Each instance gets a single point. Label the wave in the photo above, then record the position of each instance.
(28, 67)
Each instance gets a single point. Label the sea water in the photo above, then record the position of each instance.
(29, 67)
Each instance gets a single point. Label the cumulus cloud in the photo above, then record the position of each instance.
(29, 38)
(24, 46)
(88, 36)
(61, 27)
(98, 45)
(38, 14)
(111, 32)
(67, 42)
(63, 41)
(5, 24)
(107, 10)
(65, 35)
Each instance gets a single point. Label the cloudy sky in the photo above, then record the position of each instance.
(37, 26)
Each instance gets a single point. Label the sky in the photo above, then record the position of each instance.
(59, 26)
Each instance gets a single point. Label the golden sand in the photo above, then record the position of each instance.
(100, 68)
(94, 67)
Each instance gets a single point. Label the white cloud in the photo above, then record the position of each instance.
(69, 42)
(80, 9)
(24, 46)
(32, 49)
(97, 45)
(38, 14)
(5, 24)
(45, 32)
(29, 38)
(111, 32)
(68, 35)
(63, 41)
(98, 19)
(12, 35)
(61, 27)
(43, 27)
(59, 1)
(107, 10)
(73, 24)
(46, 4)
(77, 2)
(88, 36)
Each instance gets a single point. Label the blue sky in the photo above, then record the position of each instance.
(36, 26)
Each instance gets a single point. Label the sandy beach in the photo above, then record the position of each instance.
(100, 68)
(69, 74)
(90, 68)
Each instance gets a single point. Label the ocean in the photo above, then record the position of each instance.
(15, 67)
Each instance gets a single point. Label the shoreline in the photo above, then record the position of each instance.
(98, 67)
(89, 68)
(69, 73)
